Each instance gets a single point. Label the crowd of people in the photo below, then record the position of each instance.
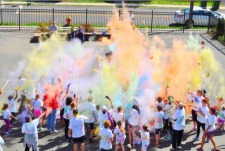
(111, 125)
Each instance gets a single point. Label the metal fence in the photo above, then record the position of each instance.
(21, 19)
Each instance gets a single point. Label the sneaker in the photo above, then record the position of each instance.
(55, 131)
(9, 131)
(207, 140)
(6, 133)
(173, 149)
(196, 139)
(199, 149)
(129, 146)
(168, 139)
(179, 148)
(41, 129)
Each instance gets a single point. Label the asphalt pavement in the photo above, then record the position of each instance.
(14, 47)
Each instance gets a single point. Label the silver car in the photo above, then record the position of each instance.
(201, 17)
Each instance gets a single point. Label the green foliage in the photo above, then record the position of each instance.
(221, 39)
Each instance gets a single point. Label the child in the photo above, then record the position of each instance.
(158, 124)
(37, 105)
(167, 118)
(221, 118)
(145, 138)
(120, 136)
(6, 116)
(106, 136)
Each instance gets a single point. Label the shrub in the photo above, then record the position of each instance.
(88, 27)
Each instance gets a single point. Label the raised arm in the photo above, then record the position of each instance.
(110, 100)
(15, 95)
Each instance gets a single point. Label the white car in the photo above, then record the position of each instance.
(201, 17)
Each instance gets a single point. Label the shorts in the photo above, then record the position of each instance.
(209, 134)
(144, 146)
(90, 126)
(194, 115)
(157, 131)
(79, 139)
(220, 121)
(105, 149)
(37, 113)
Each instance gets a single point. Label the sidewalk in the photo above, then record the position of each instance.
(99, 4)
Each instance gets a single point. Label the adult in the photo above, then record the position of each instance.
(76, 130)
(88, 109)
(133, 124)
(12, 105)
(102, 117)
(159, 114)
(202, 114)
(159, 102)
(66, 118)
(53, 28)
(209, 132)
(31, 133)
(196, 104)
(79, 33)
(106, 136)
(178, 128)
(51, 118)
(168, 128)
(23, 100)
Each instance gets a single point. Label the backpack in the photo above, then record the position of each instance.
(112, 121)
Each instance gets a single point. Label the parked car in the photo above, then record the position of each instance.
(201, 17)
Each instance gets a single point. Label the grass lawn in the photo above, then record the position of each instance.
(170, 2)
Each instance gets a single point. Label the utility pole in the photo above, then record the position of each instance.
(190, 22)
(1, 15)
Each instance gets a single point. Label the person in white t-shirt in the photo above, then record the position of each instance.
(210, 129)
(159, 103)
(145, 138)
(202, 114)
(133, 124)
(66, 119)
(178, 127)
(37, 106)
(88, 109)
(102, 117)
(106, 136)
(31, 133)
(76, 128)
(168, 128)
(120, 134)
(12, 105)
(196, 104)
(6, 116)
(1, 143)
(158, 123)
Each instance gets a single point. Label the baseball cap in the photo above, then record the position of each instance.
(104, 108)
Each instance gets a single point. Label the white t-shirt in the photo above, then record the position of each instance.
(66, 109)
(101, 119)
(205, 110)
(159, 119)
(12, 105)
(88, 109)
(77, 126)
(6, 114)
(159, 104)
(1, 142)
(222, 115)
(145, 138)
(38, 104)
(168, 113)
(134, 117)
(211, 120)
(105, 135)
(69, 114)
(179, 116)
(119, 117)
(31, 127)
(120, 136)
(197, 100)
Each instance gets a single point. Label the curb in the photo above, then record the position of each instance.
(99, 4)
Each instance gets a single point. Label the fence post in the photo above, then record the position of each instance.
(86, 16)
(119, 14)
(19, 17)
(151, 20)
(53, 14)
(208, 22)
(184, 22)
